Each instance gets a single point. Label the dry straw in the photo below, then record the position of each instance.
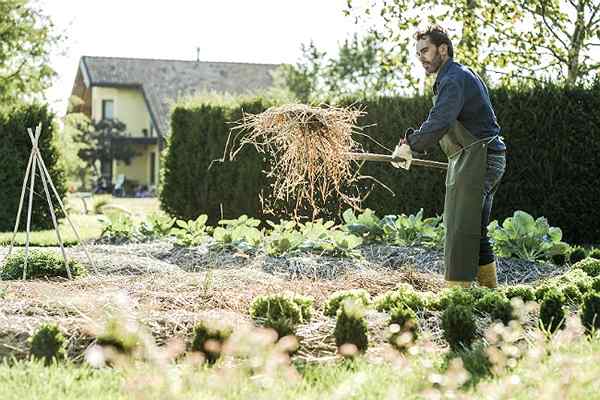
(307, 150)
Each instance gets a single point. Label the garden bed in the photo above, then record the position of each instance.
(169, 288)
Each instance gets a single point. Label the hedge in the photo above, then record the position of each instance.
(552, 164)
(15, 147)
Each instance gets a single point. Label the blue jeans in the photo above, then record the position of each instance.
(496, 165)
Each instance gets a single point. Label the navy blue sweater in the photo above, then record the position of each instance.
(462, 96)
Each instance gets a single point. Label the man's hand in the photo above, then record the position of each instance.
(403, 152)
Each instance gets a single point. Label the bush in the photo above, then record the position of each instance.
(404, 295)
(40, 265)
(458, 325)
(334, 301)
(454, 296)
(577, 277)
(577, 254)
(596, 284)
(524, 292)
(15, 148)
(475, 361)
(117, 336)
(306, 304)
(559, 259)
(209, 339)
(572, 294)
(590, 312)
(403, 327)
(497, 306)
(48, 344)
(278, 312)
(595, 253)
(590, 266)
(552, 313)
(351, 326)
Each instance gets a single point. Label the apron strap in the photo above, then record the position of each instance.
(486, 140)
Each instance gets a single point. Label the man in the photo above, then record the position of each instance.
(463, 122)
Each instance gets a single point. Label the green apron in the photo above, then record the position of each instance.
(463, 204)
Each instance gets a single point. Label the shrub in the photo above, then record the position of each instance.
(117, 336)
(524, 292)
(333, 303)
(596, 284)
(209, 339)
(306, 304)
(595, 253)
(577, 254)
(48, 344)
(590, 312)
(552, 313)
(454, 296)
(404, 295)
(15, 148)
(40, 265)
(590, 266)
(351, 326)
(572, 294)
(458, 325)
(577, 277)
(403, 327)
(278, 312)
(541, 290)
(475, 361)
(497, 306)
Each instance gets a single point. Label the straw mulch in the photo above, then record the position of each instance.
(307, 149)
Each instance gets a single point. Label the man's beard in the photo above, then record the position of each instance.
(436, 63)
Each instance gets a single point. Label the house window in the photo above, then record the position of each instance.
(152, 168)
(108, 109)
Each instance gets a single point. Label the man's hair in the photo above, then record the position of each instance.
(438, 36)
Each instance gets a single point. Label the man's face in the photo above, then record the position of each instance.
(429, 56)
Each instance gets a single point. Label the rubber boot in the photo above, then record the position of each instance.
(463, 284)
(486, 276)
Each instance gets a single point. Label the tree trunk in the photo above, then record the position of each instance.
(577, 39)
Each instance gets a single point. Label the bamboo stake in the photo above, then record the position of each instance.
(389, 158)
(33, 169)
(49, 199)
(25, 179)
(62, 207)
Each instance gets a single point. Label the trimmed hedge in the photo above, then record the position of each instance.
(551, 134)
(15, 148)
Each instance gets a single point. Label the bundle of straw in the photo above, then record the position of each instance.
(307, 148)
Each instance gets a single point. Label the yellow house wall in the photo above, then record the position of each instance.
(140, 166)
(129, 107)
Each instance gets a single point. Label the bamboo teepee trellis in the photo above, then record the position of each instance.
(35, 162)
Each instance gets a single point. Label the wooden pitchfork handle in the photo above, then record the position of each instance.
(389, 158)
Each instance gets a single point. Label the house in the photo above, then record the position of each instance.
(139, 92)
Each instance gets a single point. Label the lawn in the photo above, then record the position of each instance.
(569, 370)
(88, 225)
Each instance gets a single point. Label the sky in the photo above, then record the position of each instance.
(254, 31)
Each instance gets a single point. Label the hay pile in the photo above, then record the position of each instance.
(306, 148)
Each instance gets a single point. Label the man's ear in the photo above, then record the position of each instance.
(443, 49)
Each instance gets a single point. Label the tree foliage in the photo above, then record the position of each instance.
(26, 39)
(537, 39)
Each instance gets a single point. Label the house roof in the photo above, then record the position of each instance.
(163, 81)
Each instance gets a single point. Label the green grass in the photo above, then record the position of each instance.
(566, 371)
(31, 380)
(88, 226)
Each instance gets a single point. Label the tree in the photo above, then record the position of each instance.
(537, 39)
(101, 143)
(74, 126)
(360, 68)
(26, 39)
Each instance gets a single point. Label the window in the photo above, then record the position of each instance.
(108, 109)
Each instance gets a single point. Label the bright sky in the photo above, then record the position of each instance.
(259, 31)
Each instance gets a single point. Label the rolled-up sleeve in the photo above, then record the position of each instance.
(442, 116)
